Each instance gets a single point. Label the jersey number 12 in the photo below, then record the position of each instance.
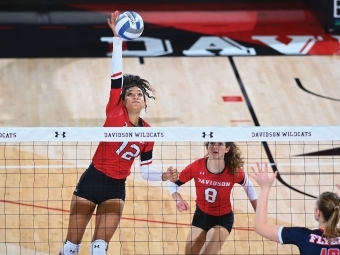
(128, 154)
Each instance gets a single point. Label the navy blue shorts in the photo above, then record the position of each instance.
(97, 187)
(205, 221)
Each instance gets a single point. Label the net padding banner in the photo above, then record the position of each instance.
(162, 134)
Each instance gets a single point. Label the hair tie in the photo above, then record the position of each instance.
(336, 207)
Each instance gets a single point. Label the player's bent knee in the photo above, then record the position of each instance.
(70, 248)
(98, 247)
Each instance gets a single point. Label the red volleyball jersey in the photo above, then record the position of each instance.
(116, 158)
(212, 190)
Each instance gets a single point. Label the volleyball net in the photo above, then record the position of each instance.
(40, 167)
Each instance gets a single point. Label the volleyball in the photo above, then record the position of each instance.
(129, 25)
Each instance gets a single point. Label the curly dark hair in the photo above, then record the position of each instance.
(233, 158)
(130, 80)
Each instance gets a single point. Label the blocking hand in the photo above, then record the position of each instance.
(261, 177)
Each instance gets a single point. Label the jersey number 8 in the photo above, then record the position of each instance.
(210, 195)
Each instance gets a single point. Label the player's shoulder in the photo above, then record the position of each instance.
(200, 161)
(240, 170)
(239, 173)
(301, 230)
(196, 165)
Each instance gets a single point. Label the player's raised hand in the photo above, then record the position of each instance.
(172, 174)
(182, 205)
(112, 22)
(261, 177)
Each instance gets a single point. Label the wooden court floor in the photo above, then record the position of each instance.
(37, 179)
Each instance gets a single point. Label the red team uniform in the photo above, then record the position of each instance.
(116, 158)
(105, 178)
(212, 190)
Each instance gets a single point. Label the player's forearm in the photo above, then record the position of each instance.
(250, 191)
(177, 196)
(116, 63)
(149, 173)
(254, 204)
(261, 218)
(174, 190)
(262, 227)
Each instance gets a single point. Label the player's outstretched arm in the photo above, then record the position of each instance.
(262, 227)
(116, 66)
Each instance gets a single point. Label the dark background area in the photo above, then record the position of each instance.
(322, 9)
(60, 28)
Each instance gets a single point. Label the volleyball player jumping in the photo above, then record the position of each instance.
(102, 185)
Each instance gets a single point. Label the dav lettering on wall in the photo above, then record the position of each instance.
(225, 46)
(77, 41)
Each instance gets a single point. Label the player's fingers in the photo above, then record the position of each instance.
(266, 167)
(116, 14)
(338, 185)
(259, 167)
(110, 21)
(274, 176)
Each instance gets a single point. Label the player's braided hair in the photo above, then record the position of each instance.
(233, 158)
(130, 80)
(328, 203)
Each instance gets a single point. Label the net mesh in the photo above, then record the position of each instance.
(39, 169)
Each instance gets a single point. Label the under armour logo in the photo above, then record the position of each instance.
(201, 172)
(96, 246)
(204, 134)
(57, 134)
(125, 124)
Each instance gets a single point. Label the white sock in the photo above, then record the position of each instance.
(70, 248)
(98, 247)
